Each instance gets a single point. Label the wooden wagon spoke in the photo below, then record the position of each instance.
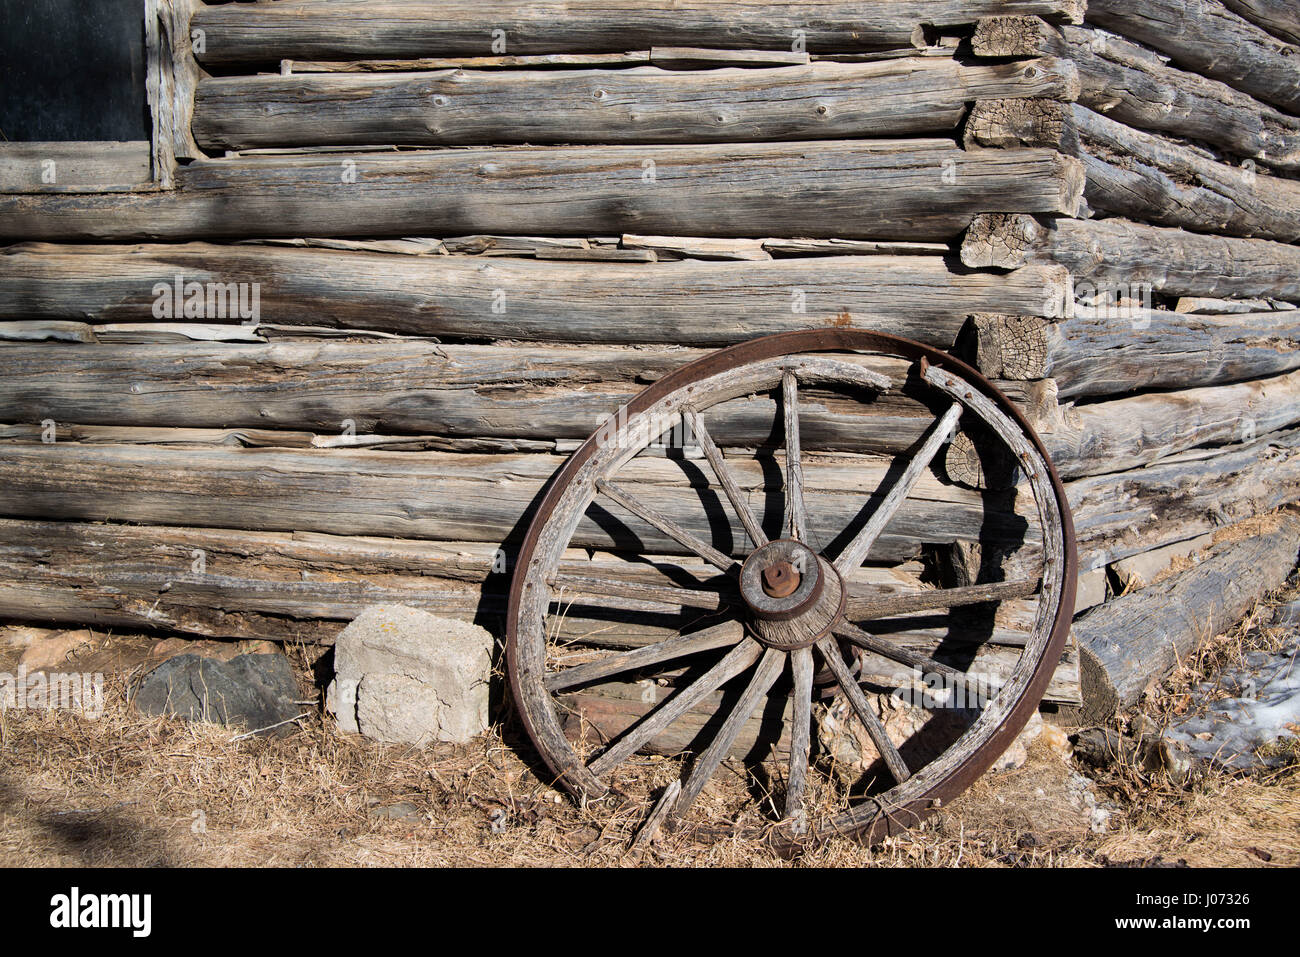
(717, 636)
(922, 663)
(863, 607)
(732, 664)
(640, 591)
(728, 482)
(862, 707)
(669, 527)
(855, 552)
(801, 664)
(794, 504)
(765, 675)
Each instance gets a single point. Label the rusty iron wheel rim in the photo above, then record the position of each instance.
(937, 782)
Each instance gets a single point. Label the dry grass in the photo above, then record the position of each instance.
(132, 790)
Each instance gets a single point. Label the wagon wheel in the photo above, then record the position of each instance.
(776, 615)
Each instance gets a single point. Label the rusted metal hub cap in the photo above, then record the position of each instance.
(781, 580)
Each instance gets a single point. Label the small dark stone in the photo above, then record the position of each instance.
(250, 691)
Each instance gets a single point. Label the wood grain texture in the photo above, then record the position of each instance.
(1279, 17)
(691, 303)
(1130, 255)
(1110, 353)
(1137, 87)
(1131, 432)
(366, 29)
(446, 496)
(823, 100)
(74, 167)
(1182, 496)
(1148, 178)
(282, 585)
(915, 188)
(1208, 38)
(1131, 641)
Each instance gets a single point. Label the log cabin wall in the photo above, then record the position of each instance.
(468, 231)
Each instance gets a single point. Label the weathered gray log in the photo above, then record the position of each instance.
(1128, 643)
(1146, 178)
(1182, 496)
(915, 188)
(1208, 38)
(1279, 17)
(236, 584)
(1012, 124)
(1113, 352)
(257, 584)
(74, 167)
(485, 498)
(1138, 571)
(640, 105)
(1136, 86)
(447, 496)
(1210, 306)
(1127, 433)
(629, 58)
(468, 392)
(1117, 253)
(366, 29)
(692, 303)
(172, 75)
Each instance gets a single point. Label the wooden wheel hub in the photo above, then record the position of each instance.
(794, 595)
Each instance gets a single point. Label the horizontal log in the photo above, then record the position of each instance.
(1182, 496)
(1150, 179)
(629, 58)
(1139, 88)
(74, 167)
(235, 584)
(1210, 306)
(1121, 254)
(640, 105)
(486, 498)
(691, 303)
(1131, 642)
(457, 497)
(255, 584)
(461, 392)
(366, 29)
(1279, 17)
(1138, 571)
(1113, 351)
(1208, 38)
(916, 189)
(1126, 433)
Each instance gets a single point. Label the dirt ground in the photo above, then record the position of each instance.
(124, 789)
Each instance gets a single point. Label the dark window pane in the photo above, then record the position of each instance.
(72, 70)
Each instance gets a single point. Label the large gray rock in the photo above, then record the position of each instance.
(253, 691)
(405, 676)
